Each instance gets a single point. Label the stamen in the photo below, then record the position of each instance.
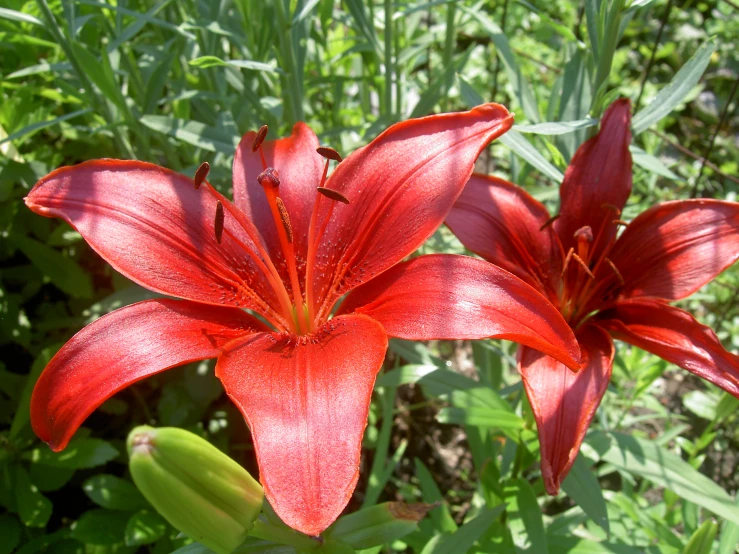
(201, 174)
(333, 195)
(616, 272)
(269, 178)
(567, 261)
(219, 221)
(607, 206)
(285, 219)
(620, 222)
(549, 221)
(329, 153)
(584, 266)
(259, 139)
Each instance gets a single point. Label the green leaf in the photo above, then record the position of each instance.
(144, 527)
(20, 16)
(48, 478)
(62, 271)
(702, 540)
(10, 531)
(559, 544)
(34, 509)
(523, 148)
(648, 460)
(28, 129)
(23, 415)
(100, 527)
(583, 487)
(521, 502)
(113, 493)
(651, 163)
(671, 95)
(556, 127)
(729, 536)
(481, 417)
(101, 74)
(80, 453)
(193, 132)
(207, 61)
(430, 493)
(464, 537)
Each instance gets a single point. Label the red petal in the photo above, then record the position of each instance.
(673, 249)
(502, 223)
(121, 348)
(306, 401)
(151, 225)
(300, 168)
(675, 336)
(401, 187)
(564, 402)
(597, 180)
(443, 296)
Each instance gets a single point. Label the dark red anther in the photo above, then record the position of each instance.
(201, 174)
(620, 222)
(616, 271)
(584, 233)
(329, 153)
(220, 216)
(548, 222)
(259, 139)
(269, 178)
(615, 209)
(285, 219)
(583, 265)
(333, 195)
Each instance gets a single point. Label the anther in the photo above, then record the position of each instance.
(219, 222)
(616, 271)
(567, 261)
(333, 195)
(584, 266)
(329, 153)
(259, 139)
(620, 222)
(615, 209)
(269, 178)
(584, 233)
(285, 219)
(548, 222)
(201, 174)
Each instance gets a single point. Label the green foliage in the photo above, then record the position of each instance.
(178, 83)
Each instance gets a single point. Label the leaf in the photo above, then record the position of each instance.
(100, 527)
(556, 127)
(651, 163)
(729, 536)
(430, 493)
(651, 461)
(28, 129)
(464, 537)
(671, 95)
(20, 16)
(62, 271)
(34, 509)
(559, 544)
(583, 487)
(481, 417)
(144, 527)
(48, 478)
(10, 531)
(80, 453)
(523, 148)
(113, 493)
(193, 132)
(23, 414)
(702, 540)
(207, 61)
(521, 502)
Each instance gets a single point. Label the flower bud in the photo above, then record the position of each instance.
(193, 485)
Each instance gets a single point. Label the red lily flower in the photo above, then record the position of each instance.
(288, 252)
(602, 284)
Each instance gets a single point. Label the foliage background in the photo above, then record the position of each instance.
(178, 83)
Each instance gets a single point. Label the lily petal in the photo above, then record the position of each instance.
(673, 335)
(444, 296)
(306, 402)
(401, 187)
(121, 348)
(598, 181)
(300, 169)
(503, 223)
(564, 402)
(672, 249)
(152, 226)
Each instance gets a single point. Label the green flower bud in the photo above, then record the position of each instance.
(193, 485)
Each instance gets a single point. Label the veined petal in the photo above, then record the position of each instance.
(152, 226)
(598, 181)
(503, 224)
(306, 401)
(564, 402)
(121, 348)
(444, 296)
(673, 335)
(300, 168)
(401, 187)
(672, 249)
